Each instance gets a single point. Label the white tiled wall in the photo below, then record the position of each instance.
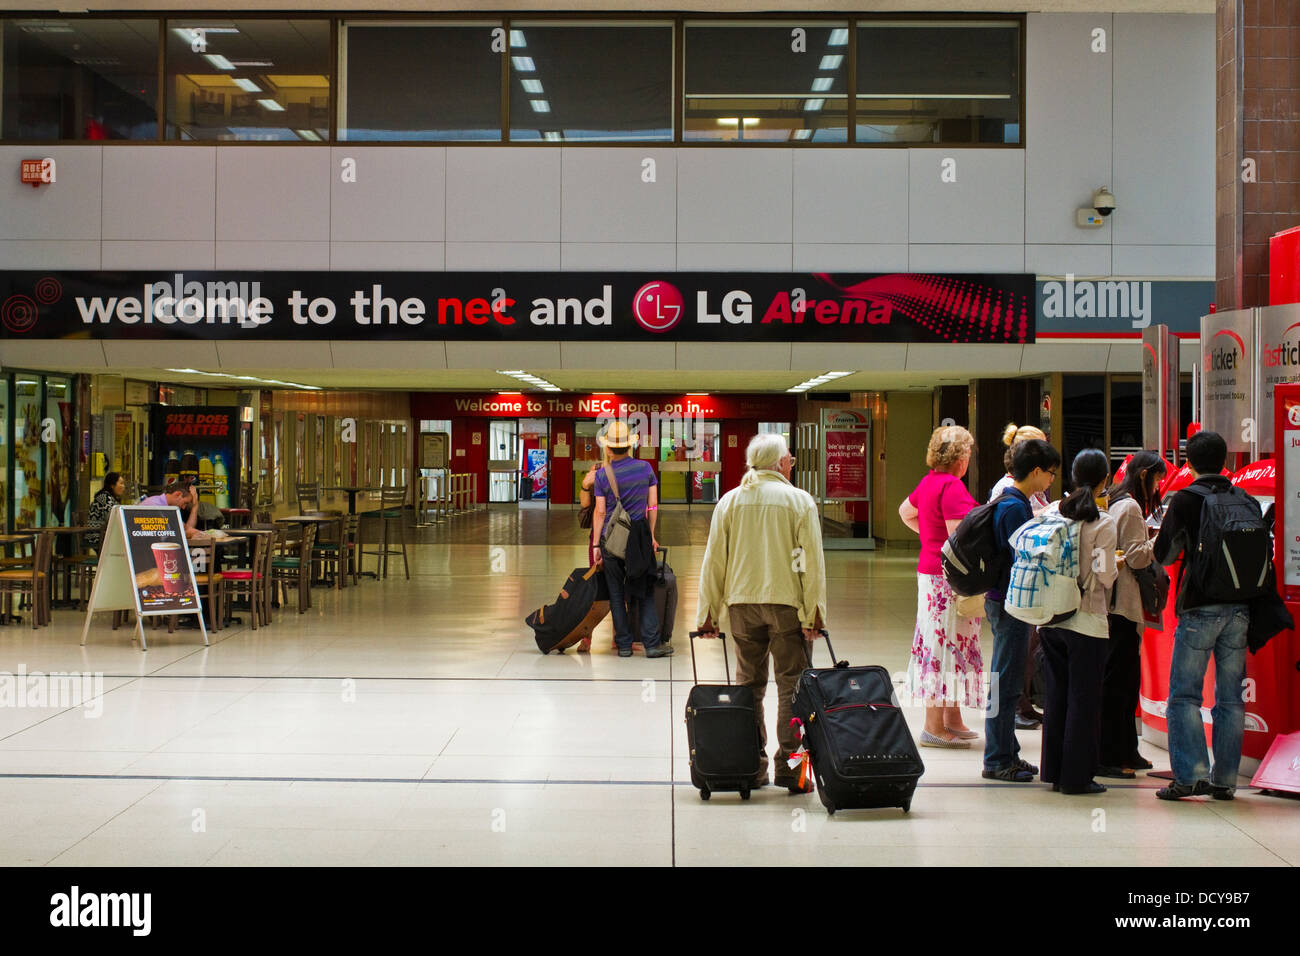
(1138, 118)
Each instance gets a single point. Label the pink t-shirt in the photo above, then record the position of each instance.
(939, 498)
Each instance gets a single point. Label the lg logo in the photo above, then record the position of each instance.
(657, 306)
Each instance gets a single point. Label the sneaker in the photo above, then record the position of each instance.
(1176, 791)
(663, 650)
(625, 652)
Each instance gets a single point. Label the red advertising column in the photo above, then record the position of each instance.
(561, 461)
(470, 452)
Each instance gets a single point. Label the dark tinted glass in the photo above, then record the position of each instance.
(1084, 402)
(591, 82)
(938, 83)
(417, 82)
(248, 79)
(79, 79)
(775, 82)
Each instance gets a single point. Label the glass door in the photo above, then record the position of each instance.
(27, 497)
(503, 460)
(689, 468)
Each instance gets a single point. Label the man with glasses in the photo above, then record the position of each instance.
(1033, 469)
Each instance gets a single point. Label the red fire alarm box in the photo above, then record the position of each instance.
(35, 172)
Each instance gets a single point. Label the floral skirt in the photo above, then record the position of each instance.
(946, 668)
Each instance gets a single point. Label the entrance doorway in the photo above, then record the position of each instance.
(519, 462)
(689, 469)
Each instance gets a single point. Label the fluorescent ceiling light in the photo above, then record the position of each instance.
(524, 64)
(803, 134)
(244, 378)
(252, 62)
(839, 37)
(517, 38)
(728, 121)
(552, 136)
(831, 61)
(271, 105)
(540, 106)
(813, 105)
(219, 61)
(699, 394)
(309, 134)
(244, 83)
(532, 86)
(822, 84)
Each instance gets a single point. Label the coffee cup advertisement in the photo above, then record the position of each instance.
(160, 561)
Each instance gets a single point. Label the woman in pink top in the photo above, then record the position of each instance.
(946, 669)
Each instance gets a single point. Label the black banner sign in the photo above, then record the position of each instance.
(519, 306)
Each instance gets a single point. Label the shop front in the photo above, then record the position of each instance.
(39, 453)
(533, 450)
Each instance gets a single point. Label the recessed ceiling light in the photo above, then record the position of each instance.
(524, 64)
(540, 106)
(839, 37)
(813, 105)
(271, 105)
(244, 83)
(219, 61)
(822, 84)
(531, 86)
(831, 61)
(517, 38)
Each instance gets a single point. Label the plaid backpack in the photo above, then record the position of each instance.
(1044, 586)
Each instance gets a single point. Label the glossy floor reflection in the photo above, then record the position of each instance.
(415, 723)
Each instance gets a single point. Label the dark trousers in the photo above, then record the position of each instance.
(1073, 665)
(760, 631)
(1026, 706)
(620, 589)
(1119, 693)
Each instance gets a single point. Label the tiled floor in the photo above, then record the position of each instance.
(415, 723)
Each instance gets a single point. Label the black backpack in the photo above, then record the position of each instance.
(1234, 552)
(973, 558)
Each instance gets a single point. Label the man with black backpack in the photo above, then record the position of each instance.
(1220, 533)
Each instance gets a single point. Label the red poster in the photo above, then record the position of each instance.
(846, 464)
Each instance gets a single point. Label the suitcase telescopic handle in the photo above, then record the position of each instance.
(726, 665)
(807, 649)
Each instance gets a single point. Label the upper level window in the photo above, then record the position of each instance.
(248, 79)
(928, 82)
(420, 81)
(782, 82)
(79, 79)
(591, 81)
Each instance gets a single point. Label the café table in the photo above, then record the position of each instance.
(352, 491)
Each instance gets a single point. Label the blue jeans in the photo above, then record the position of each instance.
(616, 578)
(1007, 670)
(1218, 629)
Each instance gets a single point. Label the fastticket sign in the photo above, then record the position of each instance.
(520, 306)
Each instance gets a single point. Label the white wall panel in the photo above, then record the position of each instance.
(159, 254)
(160, 192)
(850, 196)
(1191, 262)
(1067, 125)
(273, 193)
(49, 253)
(966, 258)
(986, 203)
(388, 256)
(605, 198)
(311, 256)
(399, 194)
(503, 195)
(618, 256)
(734, 257)
(1052, 260)
(66, 209)
(841, 257)
(734, 195)
(1164, 130)
(502, 256)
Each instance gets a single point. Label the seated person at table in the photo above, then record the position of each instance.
(179, 495)
(106, 499)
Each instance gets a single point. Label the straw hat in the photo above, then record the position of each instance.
(617, 436)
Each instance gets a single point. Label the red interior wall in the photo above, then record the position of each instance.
(561, 469)
(475, 459)
(733, 459)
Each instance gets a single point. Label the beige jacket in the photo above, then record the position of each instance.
(1138, 548)
(765, 547)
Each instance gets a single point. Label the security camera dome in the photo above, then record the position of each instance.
(1103, 201)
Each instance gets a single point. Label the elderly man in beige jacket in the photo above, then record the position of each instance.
(764, 580)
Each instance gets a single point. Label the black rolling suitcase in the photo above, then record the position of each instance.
(863, 754)
(665, 602)
(722, 732)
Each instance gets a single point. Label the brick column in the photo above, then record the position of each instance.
(1258, 118)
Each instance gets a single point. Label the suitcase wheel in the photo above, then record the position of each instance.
(830, 811)
(705, 794)
(907, 806)
(744, 794)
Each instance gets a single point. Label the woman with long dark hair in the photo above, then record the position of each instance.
(1074, 650)
(1130, 502)
(101, 506)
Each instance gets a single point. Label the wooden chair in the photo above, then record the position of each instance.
(308, 494)
(391, 516)
(32, 583)
(290, 567)
(336, 555)
(254, 582)
(211, 580)
(77, 565)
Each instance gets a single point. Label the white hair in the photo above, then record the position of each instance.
(764, 453)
